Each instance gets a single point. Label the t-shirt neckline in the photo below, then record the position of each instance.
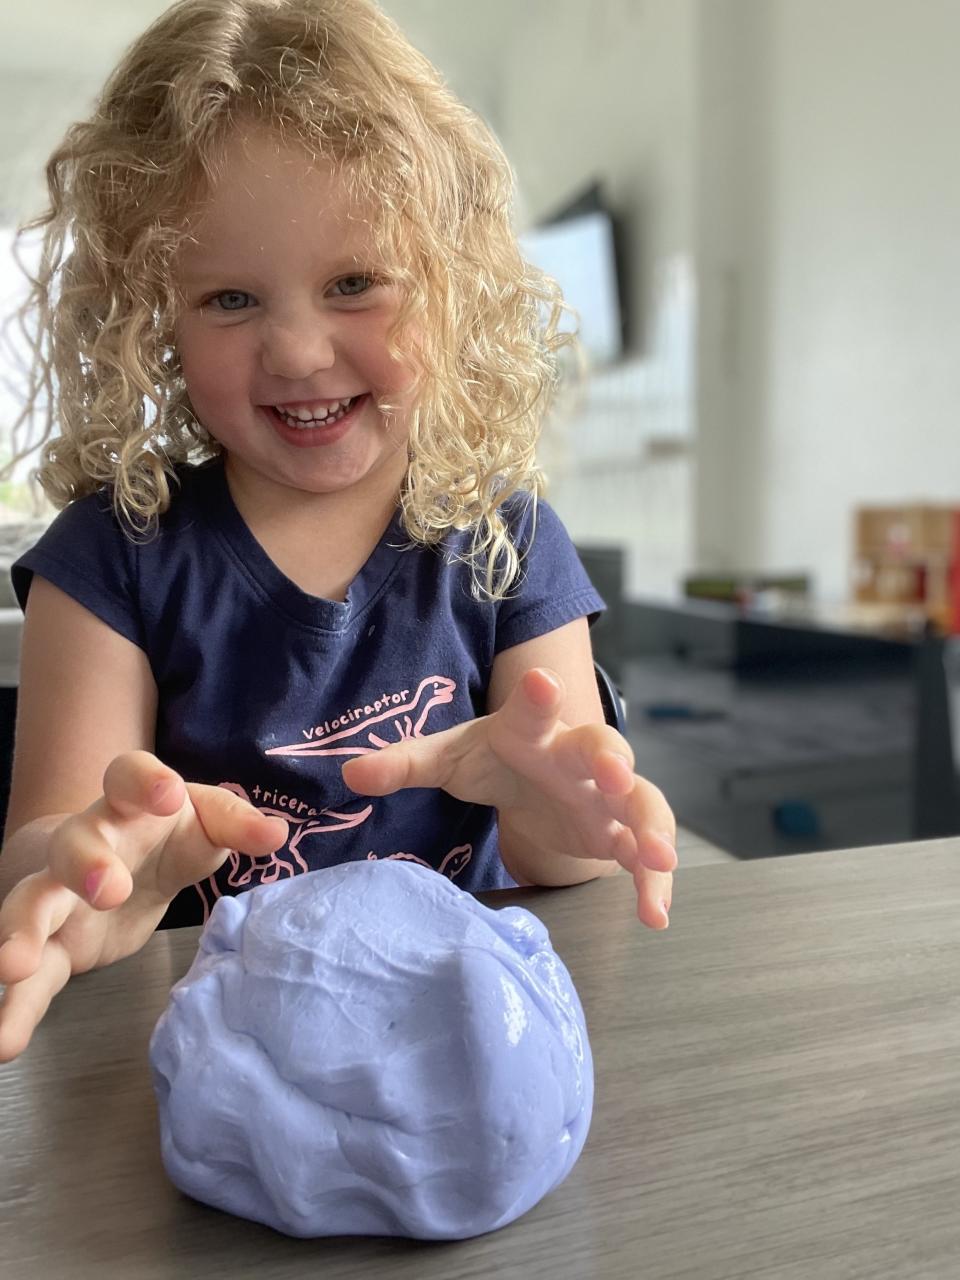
(330, 615)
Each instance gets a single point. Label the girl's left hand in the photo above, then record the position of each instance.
(562, 791)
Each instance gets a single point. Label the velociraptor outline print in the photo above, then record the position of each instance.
(440, 689)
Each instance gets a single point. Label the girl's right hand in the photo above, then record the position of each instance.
(108, 875)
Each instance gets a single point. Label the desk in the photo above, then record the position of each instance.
(778, 1095)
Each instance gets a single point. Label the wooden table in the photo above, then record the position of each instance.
(778, 1095)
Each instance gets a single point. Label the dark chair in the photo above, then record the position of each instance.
(8, 717)
(605, 569)
(936, 758)
(611, 699)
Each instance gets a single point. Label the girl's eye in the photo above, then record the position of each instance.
(351, 286)
(232, 300)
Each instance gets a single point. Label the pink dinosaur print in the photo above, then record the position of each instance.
(246, 869)
(451, 866)
(408, 719)
(404, 719)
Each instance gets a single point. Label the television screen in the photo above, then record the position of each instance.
(578, 248)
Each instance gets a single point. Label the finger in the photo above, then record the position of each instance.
(418, 762)
(629, 842)
(654, 897)
(25, 1003)
(612, 772)
(33, 910)
(532, 708)
(137, 782)
(393, 769)
(91, 852)
(228, 821)
(596, 753)
(84, 857)
(645, 812)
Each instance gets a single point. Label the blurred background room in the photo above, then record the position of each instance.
(753, 205)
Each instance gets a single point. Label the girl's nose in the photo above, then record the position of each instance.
(297, 349)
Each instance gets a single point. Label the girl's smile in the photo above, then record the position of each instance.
(312, 424)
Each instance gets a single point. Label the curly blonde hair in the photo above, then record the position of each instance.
(340, 78)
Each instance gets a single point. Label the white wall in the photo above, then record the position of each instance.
(844, 385)
(732, 217)
(54, 56)
(608, 91)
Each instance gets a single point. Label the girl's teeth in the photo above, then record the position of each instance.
(316, 418)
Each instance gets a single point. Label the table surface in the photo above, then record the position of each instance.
(778, 1095)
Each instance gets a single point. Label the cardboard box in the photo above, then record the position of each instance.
(910, 556)
(913, 532)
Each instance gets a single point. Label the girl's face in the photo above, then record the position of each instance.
(283, 338)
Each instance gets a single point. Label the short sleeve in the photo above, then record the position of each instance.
(86, 553)
(553, 588)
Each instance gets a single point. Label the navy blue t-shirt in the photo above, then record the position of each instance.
(266, 690)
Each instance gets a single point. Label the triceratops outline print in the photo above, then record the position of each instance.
(244, 866)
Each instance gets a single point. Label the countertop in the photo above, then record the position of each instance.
(778, 1095)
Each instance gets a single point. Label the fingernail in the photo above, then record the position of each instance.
(93, 884)
(666, 912)
(550, 678)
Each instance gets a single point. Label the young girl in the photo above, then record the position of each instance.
(301, 605)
